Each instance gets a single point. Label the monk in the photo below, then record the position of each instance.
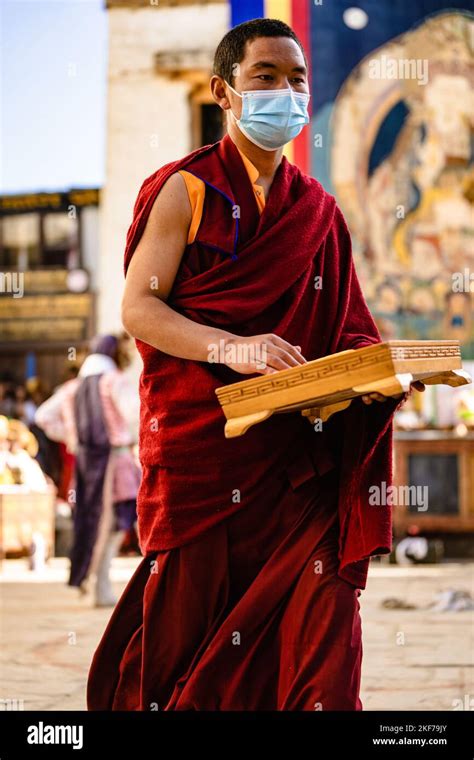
(255, 549)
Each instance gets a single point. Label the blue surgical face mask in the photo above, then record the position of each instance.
(271, 118)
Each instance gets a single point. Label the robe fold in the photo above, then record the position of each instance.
(234, 526)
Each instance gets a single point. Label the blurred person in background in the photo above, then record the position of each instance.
(68, 460)
(8, 401)
(28, 398)
(18, 449)
(95, 415)
(19, 401)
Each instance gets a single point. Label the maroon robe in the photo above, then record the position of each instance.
(228, 610)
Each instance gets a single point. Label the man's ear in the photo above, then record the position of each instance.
(218, 90)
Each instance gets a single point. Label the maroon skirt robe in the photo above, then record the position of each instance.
(255, 548)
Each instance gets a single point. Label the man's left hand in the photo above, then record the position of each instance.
(369, 397)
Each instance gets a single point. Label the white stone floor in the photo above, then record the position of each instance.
(413, 659)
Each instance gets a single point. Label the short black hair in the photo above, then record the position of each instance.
(231, 49)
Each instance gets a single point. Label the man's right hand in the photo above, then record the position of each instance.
(263, 354)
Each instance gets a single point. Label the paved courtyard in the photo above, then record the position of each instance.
(414, 659)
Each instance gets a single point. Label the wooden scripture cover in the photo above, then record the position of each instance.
(324, 386)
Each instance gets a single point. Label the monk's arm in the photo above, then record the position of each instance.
(149, 280)
(150, 277)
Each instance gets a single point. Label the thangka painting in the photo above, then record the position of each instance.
(398, 158)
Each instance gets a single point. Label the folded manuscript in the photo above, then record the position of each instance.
(327, 385)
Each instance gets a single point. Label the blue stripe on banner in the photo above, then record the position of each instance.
(30, 370)
(244, 10)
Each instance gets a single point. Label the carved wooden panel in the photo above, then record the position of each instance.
(323, 386)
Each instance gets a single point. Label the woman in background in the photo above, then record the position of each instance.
(96, 414)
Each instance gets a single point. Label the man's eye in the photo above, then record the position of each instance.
(298, 80)
(265, 77)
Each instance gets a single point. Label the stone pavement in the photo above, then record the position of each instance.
(413, 659)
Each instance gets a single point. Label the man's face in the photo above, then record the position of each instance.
(269, 63)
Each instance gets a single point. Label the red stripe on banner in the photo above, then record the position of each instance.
(300, 18)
